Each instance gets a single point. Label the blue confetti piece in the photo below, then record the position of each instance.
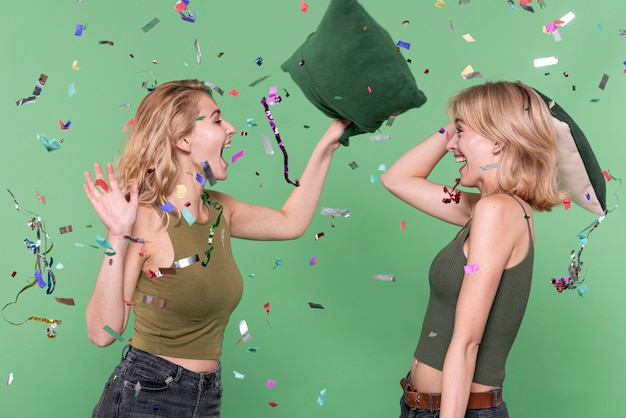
(405, 45)
(168, 207)
(188, 216)
(79, 30)
(322, 398)
(40, 282)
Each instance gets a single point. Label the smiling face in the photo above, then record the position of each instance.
(210, 136)
(480, 156)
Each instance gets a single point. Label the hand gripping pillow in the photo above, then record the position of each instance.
(350, 68)
(579, 172)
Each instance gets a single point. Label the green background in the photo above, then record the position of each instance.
(569, 358)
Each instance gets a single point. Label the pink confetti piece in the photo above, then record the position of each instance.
(471, 268)
(451, 25)
(304, 7)
(402, 225)
(130, 122)
(234, 92)
(313, 261)
(272, 404)
(238, 155)
(270, 383)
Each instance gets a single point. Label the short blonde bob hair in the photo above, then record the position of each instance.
(514, 115)
(165, 115)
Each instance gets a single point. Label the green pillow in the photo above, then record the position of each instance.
(579, 172)
(350, 68)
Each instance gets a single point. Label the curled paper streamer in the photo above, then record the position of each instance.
(280, 142)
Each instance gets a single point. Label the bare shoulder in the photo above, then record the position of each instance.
(499, 207)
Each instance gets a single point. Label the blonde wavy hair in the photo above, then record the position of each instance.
(514, 115)
(165, 115)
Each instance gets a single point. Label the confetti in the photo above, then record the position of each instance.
(471, 268)
(277, 262)
(153, 300)
(196, 45)
(137, 389)
(304, 7)
(51, 145)
(405, 45)
(353, 165)
(376, 138)
(319, 235)
(238, 375)
(208, 173)
(234, 92)
(405, 23)
(245, 333)
(316, 305)
(237, 155)
(259, 61)
(9, 380)
(71, 90)
(272, 404)
(603, 81)
(75, 65)
(106, 43)
(469, 73)
(259, 80)
(322, 397)
(65, 229)
(402, 225)
(79, 30)
(150, 25)
(468, 38)
(270, 383)
(214, 87)
(187, 261)
(489, 166)
(384, 277)
(313, 261)
(188, 216)
(41, 198)
(66, 301)
(113, 333)
(543, 62)
(335, 212)
(65, 126)
(280, 143)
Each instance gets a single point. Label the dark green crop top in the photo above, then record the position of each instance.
(445, 277)
(182, 311)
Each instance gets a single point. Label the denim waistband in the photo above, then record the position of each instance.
(178, 373)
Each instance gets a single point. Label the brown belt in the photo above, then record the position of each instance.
(432, 401)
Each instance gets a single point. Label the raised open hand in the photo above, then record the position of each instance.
(115, 212)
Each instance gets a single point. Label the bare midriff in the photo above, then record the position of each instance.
(194, 365)
(426, 379)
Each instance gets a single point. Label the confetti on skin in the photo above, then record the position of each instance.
(181, 191)
(208, 173)
(384, 277)
(322, 397)
(168, 207)
(489, 166)
(270, 383)
(108, 249)
(188, 216)
(51, 145)
(471, 268)
(114, 334)
(237, 155)
(66, 301)
(316, 305)
(304, 7)
(238, 375)
(150, 25)
(567, 204)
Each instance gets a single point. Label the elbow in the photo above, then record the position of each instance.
(99, 340)
(388, 180)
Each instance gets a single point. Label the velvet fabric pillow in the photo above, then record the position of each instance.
(579, 172)
(350, 68)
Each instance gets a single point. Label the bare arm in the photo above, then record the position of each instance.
(291, 221)
(106, 306)
(408, 180)
(490, 249)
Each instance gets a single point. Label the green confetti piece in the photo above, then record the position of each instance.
(114, 334)
(150, 25)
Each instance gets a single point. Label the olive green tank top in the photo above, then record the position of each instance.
(445, 277)
(182, 311)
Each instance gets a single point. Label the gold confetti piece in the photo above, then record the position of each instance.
(75, 65)
(440, 3)
(66, 301)
(181, 190)
(65, 229)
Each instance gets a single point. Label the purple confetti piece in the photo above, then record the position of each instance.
(79, 30)
(40, 282)
(471, 268)
(237, 156)
(168, 207)
(405, 45)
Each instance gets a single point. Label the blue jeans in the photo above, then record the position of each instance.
(499, 411)
(165, 389)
